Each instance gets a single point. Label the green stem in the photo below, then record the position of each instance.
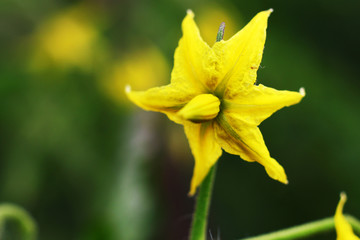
(306, 230)
(199, 224)
(300, 231)
(11, 211)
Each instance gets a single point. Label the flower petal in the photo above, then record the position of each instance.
(205, 149)
(238, 138)
(343, 228)
(166, 99)
(194, 60)
(241, 56)
(261, 102)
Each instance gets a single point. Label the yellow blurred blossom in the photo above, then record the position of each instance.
(343, 228)
(67, 39)
(213, 94)
(209, 19)
(143, 68)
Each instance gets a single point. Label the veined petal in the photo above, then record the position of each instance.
(238, 138)
(241, 56)
(205, 149)
(343, 228)
(194, 60)
(167, 99)
(260, 103)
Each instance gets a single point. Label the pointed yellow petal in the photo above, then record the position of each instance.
(201, 108)
(261, 102)
(241, 56)
(343, 228)
(167, 99)
(205, 149)
(238, 138)
(194, 60)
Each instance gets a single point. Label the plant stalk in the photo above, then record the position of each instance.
(25, 221)
(199, 223)
(306, 230)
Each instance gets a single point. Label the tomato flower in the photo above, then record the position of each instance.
(214, 96)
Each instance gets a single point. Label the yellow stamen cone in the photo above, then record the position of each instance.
(201, 108)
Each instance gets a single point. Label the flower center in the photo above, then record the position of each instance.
(201, 108)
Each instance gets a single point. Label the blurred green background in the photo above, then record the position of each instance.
(88, 164)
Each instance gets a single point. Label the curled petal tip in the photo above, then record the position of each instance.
(191, 193)
(127, 88)
(302, 91)
(343, 196)
(286, 182)
(190, 12)
(271, 10)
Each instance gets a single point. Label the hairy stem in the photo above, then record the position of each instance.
(199, 224)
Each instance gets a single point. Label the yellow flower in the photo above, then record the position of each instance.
(213, 94)
(343, 228)
(66, 39)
